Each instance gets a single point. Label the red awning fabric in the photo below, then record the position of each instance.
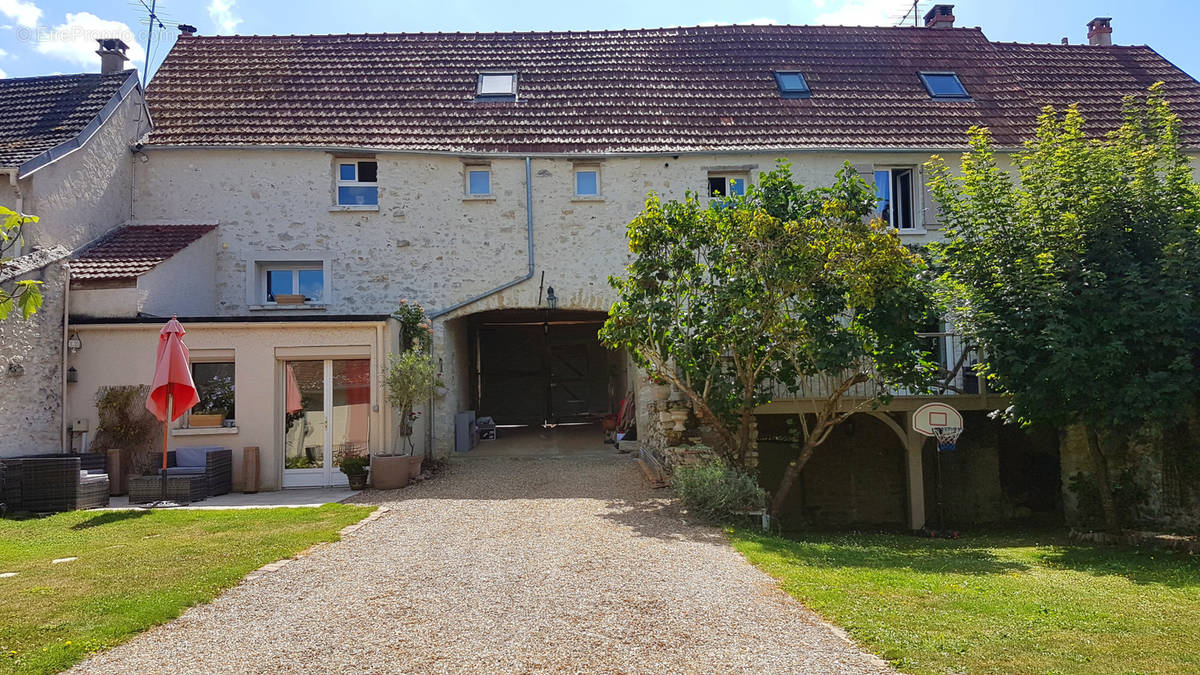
(172, 375)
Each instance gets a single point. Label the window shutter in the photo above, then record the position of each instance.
(866, 172)
(928, 206)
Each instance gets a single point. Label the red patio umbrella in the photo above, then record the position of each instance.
(172, 393)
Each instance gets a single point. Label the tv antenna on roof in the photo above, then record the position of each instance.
(914, 10)
(153, 18)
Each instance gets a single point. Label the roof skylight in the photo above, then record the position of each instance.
(792, 84)
(498, 85)
(944, 85)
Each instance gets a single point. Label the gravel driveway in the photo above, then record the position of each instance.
(507, 565)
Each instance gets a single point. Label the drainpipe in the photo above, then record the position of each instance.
(514, 282)
(64, 437)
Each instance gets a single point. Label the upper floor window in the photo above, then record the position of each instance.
(479, 180)
(944, 85)
(726, 185)
(894, 192)
(792, 84)
(293, 283)
(497, 85)
(587, 181)
(357, 183)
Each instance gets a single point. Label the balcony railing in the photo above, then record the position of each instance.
(956, 359)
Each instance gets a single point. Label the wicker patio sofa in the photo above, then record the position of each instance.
(215, 463)
(52, 483)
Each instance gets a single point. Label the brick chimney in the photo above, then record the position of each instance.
(1100, 31)
(940, 16)
(186, 30)
(112, 55)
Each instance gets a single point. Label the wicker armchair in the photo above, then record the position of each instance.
(214, 462)
(48, 484)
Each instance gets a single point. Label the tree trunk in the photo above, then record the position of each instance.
(793, 470)
(1112, 519)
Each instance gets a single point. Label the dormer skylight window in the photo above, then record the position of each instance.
(944, 85)
(792, 84)
(500, 86)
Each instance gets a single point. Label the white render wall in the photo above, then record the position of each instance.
(88, 192)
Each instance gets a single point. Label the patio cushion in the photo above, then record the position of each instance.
(92, 478)
(191, 457)
(185, 470)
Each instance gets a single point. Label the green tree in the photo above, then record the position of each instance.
(785, 287)
(1080, 278)
(24, 295)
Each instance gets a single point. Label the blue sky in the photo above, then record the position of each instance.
(39, 37)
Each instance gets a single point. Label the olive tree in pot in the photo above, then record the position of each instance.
(410, 377)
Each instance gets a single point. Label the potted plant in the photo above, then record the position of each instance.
(409, 379)
(355, 468)
(216, 402)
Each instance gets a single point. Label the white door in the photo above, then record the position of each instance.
(327, 417)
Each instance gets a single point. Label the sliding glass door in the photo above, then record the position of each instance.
(327, 417)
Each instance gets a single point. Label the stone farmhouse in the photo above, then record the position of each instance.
(295, 189)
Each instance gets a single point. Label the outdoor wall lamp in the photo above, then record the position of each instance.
(74, 344)
(551, 299)
(72, 374)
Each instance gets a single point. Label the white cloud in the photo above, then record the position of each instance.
(25, 13)
(221, 13)
(3, 53)
(75, 40)
(3, 74)
(862, 13)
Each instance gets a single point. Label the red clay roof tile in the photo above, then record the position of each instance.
(661, 90)
(134, 250)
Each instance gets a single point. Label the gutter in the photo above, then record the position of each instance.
(473, 154)
(71, 145)
(514, 282)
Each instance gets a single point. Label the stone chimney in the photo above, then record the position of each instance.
(940, 16)
(186, 30)
(1100, 31)
(112, 55)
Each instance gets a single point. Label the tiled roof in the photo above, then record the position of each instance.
(662, 90)
(134, 250)
(41, 112)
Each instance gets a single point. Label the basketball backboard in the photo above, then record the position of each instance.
(934, 416)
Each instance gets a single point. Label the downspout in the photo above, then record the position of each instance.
(64, 437)
(514, 282)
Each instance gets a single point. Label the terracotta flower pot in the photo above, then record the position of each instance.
(206, 421)
(389, 472)
(414, 466)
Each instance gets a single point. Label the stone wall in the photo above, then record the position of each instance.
(31, 372)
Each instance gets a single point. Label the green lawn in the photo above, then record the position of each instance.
(135, 569)
(996, 603)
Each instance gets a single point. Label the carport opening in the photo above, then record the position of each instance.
(536, 371)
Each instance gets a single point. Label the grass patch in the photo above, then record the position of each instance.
(995, 603)
(135, 569)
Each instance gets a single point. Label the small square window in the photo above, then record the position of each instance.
(587, 182)
(214, 385)
(293, 279)
(479, 181)
(497, 86)
(357, 183)
(726, 185)
(894, 195)
(944, 85)
(792, 84)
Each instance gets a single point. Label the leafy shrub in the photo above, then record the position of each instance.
(355, 465)
(716, 492)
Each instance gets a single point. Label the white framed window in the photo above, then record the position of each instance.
(293, 283)
(478, 180)
(727, 184)
(215, 387)
(357, 182)
(497, 85)
(894, 190)
(587, 181)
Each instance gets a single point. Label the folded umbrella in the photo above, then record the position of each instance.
(172, 392)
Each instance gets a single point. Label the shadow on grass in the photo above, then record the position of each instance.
(108, 517)
(1141, 566)
(886, 552)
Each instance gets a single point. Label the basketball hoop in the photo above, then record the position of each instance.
(947, 437)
